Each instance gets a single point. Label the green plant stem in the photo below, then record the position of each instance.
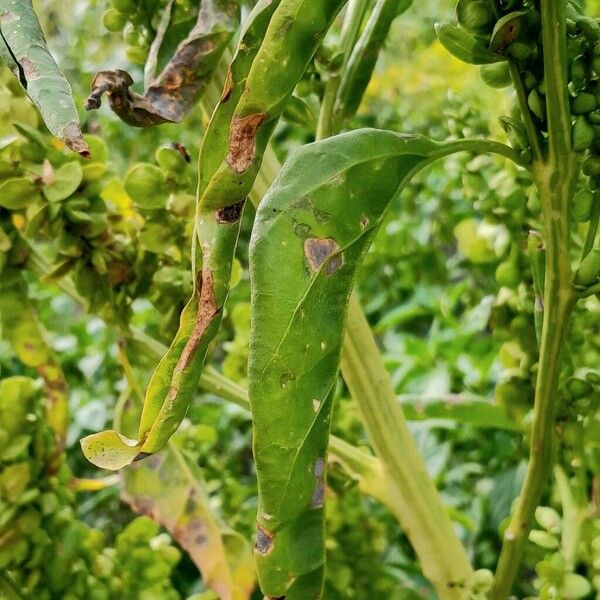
(421, 512)
(355, 14)
(555, 178)
(530, 128)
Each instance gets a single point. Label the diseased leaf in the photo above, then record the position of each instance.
(23, 49)
(170, 490)
(316, 224)
(461, 44)
(169, 97)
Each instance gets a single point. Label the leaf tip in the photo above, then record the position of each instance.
(110, 450)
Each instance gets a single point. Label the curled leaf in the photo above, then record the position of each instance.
(171, 96)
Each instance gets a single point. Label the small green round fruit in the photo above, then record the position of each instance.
(475, 15)
(583, 103)
(124, 6)
(496, 75)
(508, 275)
(583, 134)
(582, 206)
(113, 20)
(589, 269)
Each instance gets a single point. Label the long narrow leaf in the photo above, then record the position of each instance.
(311, 233)
(23, 49)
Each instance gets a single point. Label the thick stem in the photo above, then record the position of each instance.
(555, 179)
(420, 510)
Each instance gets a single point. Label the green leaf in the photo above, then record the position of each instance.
(65, 181)
(316, 223)
(17, 193)
(461, 44)
(145, 183)
(23, 49)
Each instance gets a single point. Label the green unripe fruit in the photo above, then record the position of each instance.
(136, 54)
(508, 275)
(482, 580)
(582, 205)
(170, 160)
(537, 105)
(591, 166)
(596, 65)
(131, 35)
(113, 20)
(543, 539)
(530, 80)
(521, 51)
(124, 6)
(589, 269)
(496, 75)
(548, 518)
(583, 134)
(583, 103)
(594, 118)
(589, 28)
(475, 15)
(578, 72)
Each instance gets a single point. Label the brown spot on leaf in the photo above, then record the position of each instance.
(207, 311)
(264, 541)
(230, 214)
(227, 88)
(318, 497)
(242, 141)
(321, 251)
(29, 69)
(71, 135)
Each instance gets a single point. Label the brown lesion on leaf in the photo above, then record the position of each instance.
(265, 540)
(319, 251)
(318, 497)
(230, 214)
(174, 92)
(29, 69)
(227, 88)
(242, 141)
(207, 311)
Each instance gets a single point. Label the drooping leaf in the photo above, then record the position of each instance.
(316, 224)
(169, 489)
(461, 44)
(169, 97)
(23, 49)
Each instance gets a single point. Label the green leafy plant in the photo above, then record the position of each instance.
(300, 70)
